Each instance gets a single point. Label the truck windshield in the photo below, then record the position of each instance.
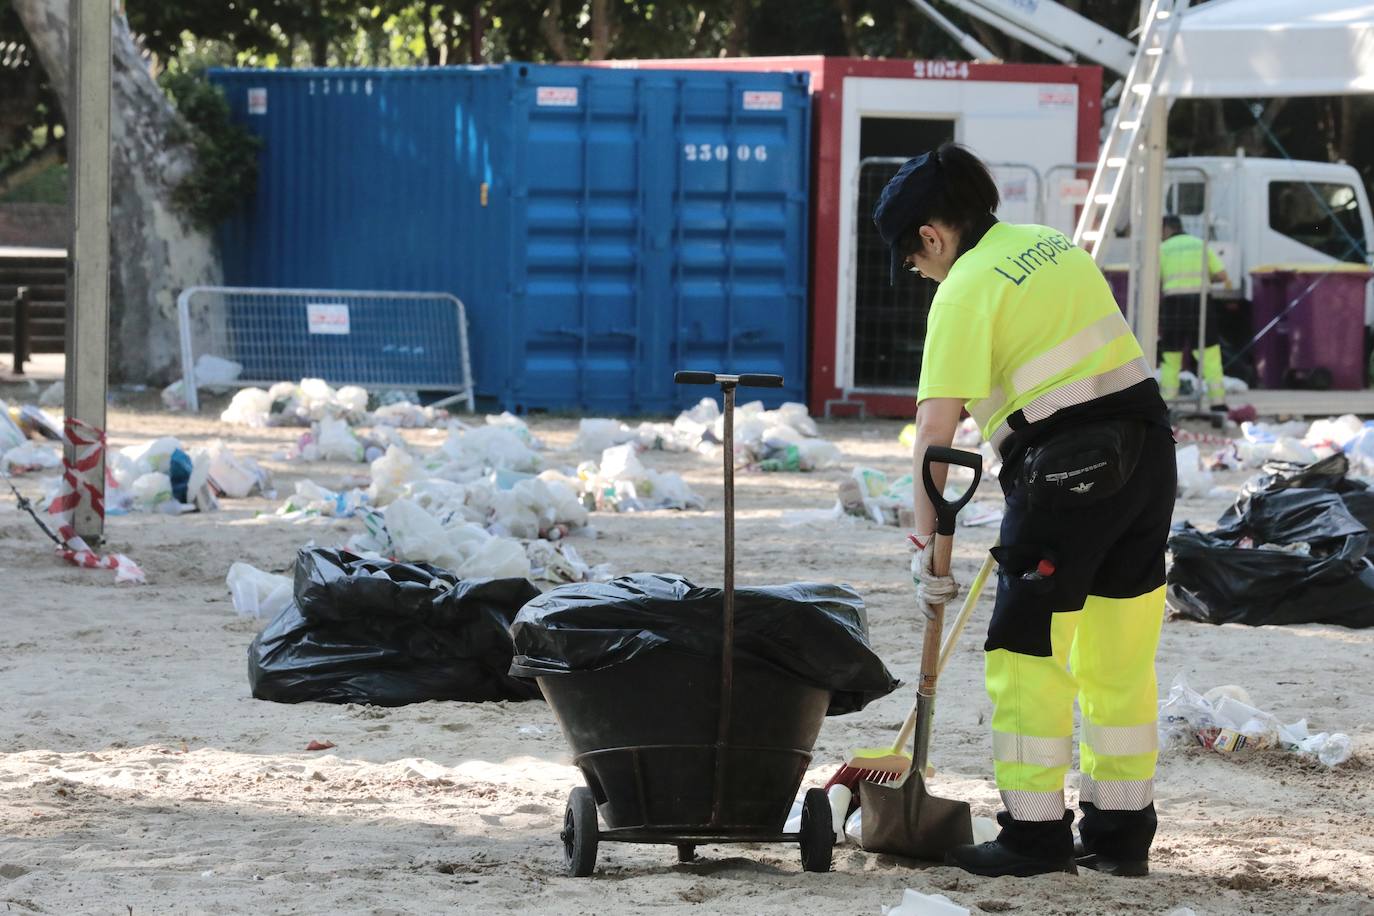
(1321, 215)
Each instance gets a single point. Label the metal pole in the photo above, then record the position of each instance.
(88, 262)
(727, 650)
(1150, 185)
(21, 329)
(1201, 353)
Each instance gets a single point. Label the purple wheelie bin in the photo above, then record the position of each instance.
(1318, 343)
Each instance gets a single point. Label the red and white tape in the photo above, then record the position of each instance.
(87, 448)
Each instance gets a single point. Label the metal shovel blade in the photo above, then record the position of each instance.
(902, 818)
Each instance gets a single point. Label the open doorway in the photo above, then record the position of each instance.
(889, 320)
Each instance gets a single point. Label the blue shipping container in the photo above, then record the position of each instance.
(603, 227)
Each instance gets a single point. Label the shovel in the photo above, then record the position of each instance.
(902, 817)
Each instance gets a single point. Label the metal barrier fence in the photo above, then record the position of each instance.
(888, 320)
(374, 339)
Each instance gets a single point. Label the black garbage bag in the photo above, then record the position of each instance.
(369, 631)
(1327, 474)
(809, 631)
(1221, 578)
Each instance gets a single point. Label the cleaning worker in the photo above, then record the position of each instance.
(1180, 270)
(1024, 334)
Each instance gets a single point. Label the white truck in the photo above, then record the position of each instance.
(1263, 211)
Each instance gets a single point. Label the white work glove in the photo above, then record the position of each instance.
(930, 588)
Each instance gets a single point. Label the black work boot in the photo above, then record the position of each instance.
(1022, 849)
(1116, 842)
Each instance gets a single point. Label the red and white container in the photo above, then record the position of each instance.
(1032, 121)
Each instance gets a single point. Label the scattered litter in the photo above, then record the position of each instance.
(1194, 480)
(560, 562)
(320, 745)
(35, 423)
(311, 500)
(30, 457)
(53, 396)
(1228, 724)
(335, 441)
(159, 476)
(867, 493)
(235, 477)
(914, 903)
(216, 372)
(249, 407)
(11, 436)
(621, 483)
(482, 449)
(595, 435)
(257, 593)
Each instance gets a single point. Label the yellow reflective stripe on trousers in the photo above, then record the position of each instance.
(1124, 795)
(1121, 740)
(1033, 806)
(1079, 392)
(1069, 353)
(1044, 752)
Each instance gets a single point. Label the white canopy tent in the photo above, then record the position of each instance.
(1247, 49)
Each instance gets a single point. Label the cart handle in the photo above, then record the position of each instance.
(749, 380)
(946, 511)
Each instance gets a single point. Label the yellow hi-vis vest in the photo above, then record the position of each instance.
(1180, 265)
(1026, 322)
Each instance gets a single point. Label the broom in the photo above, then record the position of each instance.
(889, 764)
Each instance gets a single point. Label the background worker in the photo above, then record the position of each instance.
(1024, 332)
(1181, 279)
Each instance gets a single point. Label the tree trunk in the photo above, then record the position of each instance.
(476, 32)
(551, 27)
(155, 251)
(847, 25)
(319, 38)
(738, 40)
(601, 30)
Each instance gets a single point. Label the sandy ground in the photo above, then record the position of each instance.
(137, 775)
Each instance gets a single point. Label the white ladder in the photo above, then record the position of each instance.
(1141, 86)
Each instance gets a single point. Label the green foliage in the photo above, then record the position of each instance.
(47, 187)
(226, 169)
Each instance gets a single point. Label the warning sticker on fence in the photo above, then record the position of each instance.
(758, 100)
(327, 317)
(257, 101)
(557, 96)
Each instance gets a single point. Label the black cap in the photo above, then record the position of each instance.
(903, 201)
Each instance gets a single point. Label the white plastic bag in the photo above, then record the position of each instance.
(236, 478)
(418, 537)
(595, 435)
(498, 558)
(390, 475)
(249, 407)
(914, 903)
(151, 490)
(31, 456)
(621, 463)
(257, 593)
(216, 372)
(337, 442)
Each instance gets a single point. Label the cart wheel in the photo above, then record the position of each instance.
(817, 832)
(580, 832)
(686, 852)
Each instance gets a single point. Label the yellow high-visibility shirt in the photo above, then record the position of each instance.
(1180, 265)
(1026, 320)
